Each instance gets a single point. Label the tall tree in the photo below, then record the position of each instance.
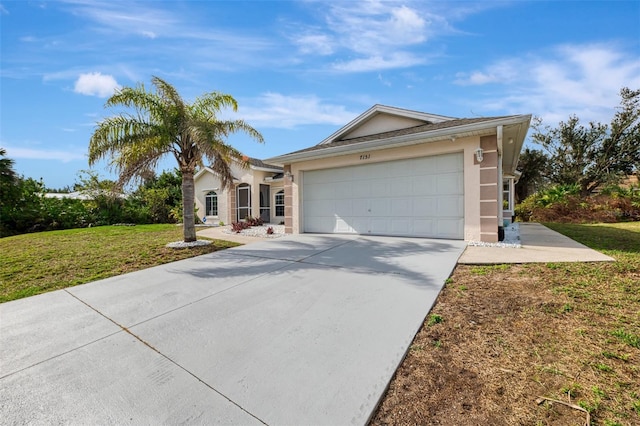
(595, 154)
(7, 174)
(533, 166)
(164, 124)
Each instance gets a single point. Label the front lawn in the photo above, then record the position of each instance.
(500, 337)
(36, 263)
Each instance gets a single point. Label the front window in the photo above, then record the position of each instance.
(279, 203)
(506, 195)
(211, 200)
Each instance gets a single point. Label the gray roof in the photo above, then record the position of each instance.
(261, 164)
(402, 132)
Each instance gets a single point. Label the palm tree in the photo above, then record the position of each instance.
(7, 174)
(162, 124)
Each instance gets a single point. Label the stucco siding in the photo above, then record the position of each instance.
(382, 123)
(471, 176)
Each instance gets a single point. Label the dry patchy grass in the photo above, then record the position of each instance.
(506, 335)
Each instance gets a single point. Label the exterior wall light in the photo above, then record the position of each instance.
(479, 155)
(288, 175)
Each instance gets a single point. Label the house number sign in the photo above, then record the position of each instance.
(365, 156)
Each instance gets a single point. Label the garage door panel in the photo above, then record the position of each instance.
(402, 207)
(380, 207)
(319, 224)
(449, 207)
(343, 208)
(342, 226)
(344, 191)
(360, 225)
(447, 163)
(401, 168)
(450, 228)
(401, 187)
(322, 191)
(379, 226)
(425, 206)
(322, 207)
(362, 189)
(449, 183)
(424, 185)
(414, 197)
(360, 207)
(423, 227)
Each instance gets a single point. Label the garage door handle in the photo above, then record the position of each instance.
(369, 210)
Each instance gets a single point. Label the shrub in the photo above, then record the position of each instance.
(270, 230)
(563, 204)
(254, 221)
(237, 227)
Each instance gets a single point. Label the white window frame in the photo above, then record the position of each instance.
(213, 197)
(276, 204)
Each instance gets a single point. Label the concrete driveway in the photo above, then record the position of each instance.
(305, 329)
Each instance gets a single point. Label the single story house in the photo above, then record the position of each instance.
(258, 191)
(393, 171)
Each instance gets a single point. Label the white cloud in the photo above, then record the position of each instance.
(43, 154)
(96, 84)
(379, 35)
(126, 18)
(584, 80)
(392, 61)
(319, 44)
(501, 72)
(275, 110)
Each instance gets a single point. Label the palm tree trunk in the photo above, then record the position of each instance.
(188, 214)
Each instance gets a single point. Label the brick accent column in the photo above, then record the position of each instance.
(489, 186)
(288, 201)
(232, 204)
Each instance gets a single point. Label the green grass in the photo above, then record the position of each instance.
(37, 263)
(605, 301)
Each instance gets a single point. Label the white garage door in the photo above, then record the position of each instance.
(421, 197)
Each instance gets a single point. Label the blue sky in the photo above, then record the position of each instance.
(302, 69)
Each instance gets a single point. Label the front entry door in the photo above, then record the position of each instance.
(265, 206)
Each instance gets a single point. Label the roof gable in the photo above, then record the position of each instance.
(382, 119)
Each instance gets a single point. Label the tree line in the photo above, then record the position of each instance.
(578, 169)
(25, 207)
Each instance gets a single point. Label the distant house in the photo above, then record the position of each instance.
(257, 191)
(76, 195)
(393, 171)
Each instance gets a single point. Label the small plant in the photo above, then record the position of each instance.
(566, 308)
(416, 348)
(448, 280)
(221, 223)
(611, 355)
(238, 227)
(571, 390)
(437, 343)
(628, 338)
(434, 319)
(254, 221)
(603, 367)
(270, 230)
(589, 407)
(598, 392)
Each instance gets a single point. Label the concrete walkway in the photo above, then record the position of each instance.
(304, 329)
(217, 233)
(539, 244)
